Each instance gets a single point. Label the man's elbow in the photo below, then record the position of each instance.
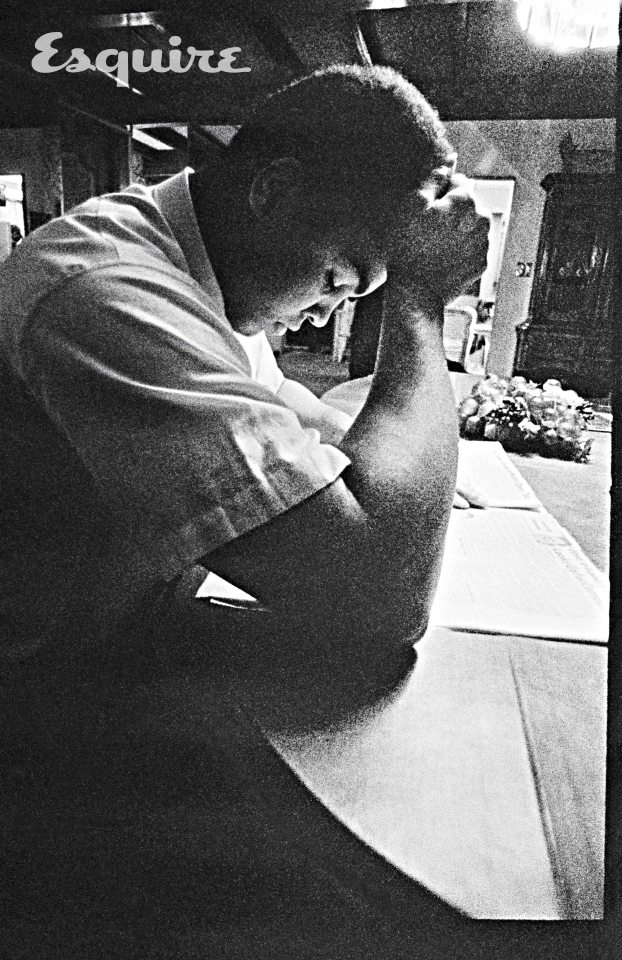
(370, 626)
(320, 663)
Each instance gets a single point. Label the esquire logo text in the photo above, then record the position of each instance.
(117, 63)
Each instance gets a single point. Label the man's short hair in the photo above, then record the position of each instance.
(363, 128)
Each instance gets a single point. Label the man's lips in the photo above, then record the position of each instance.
(283, 326)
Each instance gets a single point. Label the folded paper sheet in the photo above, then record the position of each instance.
(218, 589)
(485, 467)
(519, 572)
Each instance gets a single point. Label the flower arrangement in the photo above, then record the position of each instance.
(527, 418)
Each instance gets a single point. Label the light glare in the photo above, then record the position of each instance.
(570, 24)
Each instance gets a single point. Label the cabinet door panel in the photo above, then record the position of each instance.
(567, 333)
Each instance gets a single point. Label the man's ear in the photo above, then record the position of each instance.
(274, 186)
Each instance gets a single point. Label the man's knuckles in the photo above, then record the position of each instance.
(469, 219)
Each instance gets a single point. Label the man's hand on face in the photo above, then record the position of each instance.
(438, 246)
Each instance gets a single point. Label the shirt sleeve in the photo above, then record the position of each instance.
(155, 395)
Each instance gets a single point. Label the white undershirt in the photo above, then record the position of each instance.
(264, 368)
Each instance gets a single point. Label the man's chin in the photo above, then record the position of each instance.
(247, 327)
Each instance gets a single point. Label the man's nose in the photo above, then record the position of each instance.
(319, 315)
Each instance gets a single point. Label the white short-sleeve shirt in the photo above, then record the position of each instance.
(140, 432)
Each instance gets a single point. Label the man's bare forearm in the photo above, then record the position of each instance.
(403, 445)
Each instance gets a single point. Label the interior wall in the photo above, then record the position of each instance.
(95, 159)
(526, 150)
(36, 154)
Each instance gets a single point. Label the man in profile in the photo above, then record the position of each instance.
(148, 430)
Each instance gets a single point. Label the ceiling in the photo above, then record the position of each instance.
(471, 59)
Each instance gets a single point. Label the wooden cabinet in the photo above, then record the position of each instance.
(568, 332)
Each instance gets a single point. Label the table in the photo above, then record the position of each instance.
(483, 776)
(586, 517)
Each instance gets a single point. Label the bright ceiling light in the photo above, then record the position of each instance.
(570, 24)
(386, 4)
(119, 21)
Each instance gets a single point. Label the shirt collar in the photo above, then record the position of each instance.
(174, 200)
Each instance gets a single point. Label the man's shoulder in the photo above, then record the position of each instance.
(125, 228)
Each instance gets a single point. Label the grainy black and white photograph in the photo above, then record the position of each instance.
(310, 514)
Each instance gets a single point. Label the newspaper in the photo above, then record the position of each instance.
(484, 466)
(519, 572)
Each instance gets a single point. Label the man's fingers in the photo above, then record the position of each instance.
(471, 220)
(469, 495)
(440, 184)
(463, 210)
(440, 242)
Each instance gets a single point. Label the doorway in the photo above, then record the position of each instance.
(13, 217)
(494, 195)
